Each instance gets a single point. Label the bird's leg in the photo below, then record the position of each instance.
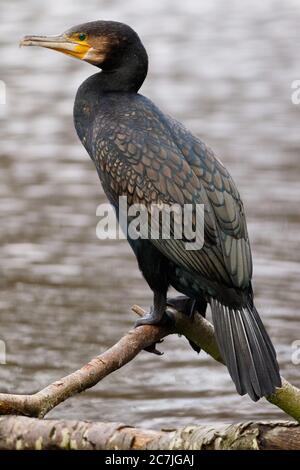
(157, 312)
(188, 306)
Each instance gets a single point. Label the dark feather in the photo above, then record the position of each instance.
(247, 350)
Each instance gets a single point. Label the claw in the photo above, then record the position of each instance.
(153, 318)
(152, 348)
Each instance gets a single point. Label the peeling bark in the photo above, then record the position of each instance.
(18, 432)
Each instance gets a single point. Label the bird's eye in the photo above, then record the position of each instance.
(82, 37)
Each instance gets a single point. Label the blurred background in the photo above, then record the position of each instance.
(223, 68)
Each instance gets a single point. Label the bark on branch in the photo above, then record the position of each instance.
(18, 432)
(200, 331)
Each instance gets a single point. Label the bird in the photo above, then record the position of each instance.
(150, 158)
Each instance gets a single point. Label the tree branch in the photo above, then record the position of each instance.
(198, 330)
(18, 432)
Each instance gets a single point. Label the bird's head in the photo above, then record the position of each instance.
(101, 43)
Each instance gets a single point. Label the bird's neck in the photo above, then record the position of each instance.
(126, 76)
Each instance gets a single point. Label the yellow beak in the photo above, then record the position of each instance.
(60, 43)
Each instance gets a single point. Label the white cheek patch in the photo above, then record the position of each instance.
(93, 56)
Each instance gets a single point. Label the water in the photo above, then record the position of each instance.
(223, 68)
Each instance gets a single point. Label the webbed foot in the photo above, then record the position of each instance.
(189, 307)
(155, 317)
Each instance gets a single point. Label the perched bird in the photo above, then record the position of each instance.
(143, 154)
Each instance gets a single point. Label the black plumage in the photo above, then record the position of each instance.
(143, 154)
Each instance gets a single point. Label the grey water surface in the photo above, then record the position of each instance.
(225, 69)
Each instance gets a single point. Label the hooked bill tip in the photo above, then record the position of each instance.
(26, 41)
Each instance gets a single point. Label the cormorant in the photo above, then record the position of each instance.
(143, 154)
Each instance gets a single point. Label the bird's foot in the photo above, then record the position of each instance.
(153, 349)
(188, 307)
(183, 304)
(154, 317)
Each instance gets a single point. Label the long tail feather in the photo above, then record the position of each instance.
(246, 349)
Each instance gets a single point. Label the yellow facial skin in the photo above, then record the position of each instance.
(71, 45)
(81, 47)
